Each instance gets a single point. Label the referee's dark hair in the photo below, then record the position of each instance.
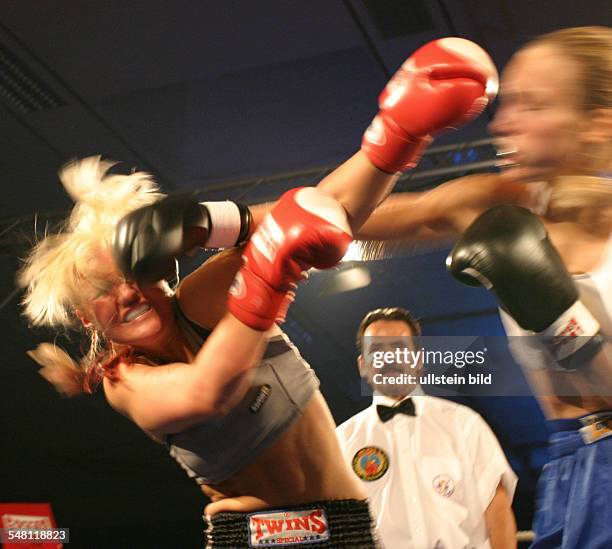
(387, 313)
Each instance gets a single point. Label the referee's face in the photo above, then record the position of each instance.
(387, 361)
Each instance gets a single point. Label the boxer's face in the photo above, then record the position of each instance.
(539, 124)
(388, 336)
(125, 312)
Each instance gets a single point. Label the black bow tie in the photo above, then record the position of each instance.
(385, 413)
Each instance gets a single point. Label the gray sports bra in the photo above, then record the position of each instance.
(212, 451)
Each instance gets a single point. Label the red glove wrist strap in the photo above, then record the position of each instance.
(253, 301)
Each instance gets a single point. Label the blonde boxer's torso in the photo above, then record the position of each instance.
(304, 464)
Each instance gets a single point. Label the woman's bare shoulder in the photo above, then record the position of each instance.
(118, 380)
(159, 399)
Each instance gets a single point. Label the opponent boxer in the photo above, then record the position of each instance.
(553, 131)
(226, 391)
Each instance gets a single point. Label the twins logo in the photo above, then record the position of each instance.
(282, 528)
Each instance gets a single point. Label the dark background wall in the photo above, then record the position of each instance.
(228, 97)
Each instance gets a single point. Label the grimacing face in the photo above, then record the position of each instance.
(386, 336)
(539, 127)
(124, 311)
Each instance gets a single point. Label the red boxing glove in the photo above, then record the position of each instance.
(306, 228)
(442, 85)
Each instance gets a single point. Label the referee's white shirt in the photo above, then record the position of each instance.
(444, 466)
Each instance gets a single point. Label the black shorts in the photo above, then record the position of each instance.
(337, 524)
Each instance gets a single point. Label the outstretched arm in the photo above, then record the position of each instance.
(442, 85)
(439, 214)
(357, 184)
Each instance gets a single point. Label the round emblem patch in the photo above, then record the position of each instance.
(444, 485)
(370, 463)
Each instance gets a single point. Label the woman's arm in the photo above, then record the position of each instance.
(435, 215)
(501, 524)
(357, 184)
(439, 214)
(442, 85)
(170, 398)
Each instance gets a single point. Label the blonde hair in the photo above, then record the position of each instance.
(583, 200)
(54, 271)
(591, 50)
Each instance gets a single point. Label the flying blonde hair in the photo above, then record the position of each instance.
(54, 271)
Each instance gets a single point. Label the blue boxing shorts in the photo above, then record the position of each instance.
(574, 496)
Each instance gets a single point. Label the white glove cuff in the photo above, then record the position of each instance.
(225, 224)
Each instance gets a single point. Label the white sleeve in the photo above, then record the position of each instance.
(489, 463)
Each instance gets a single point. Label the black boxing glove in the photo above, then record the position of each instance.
(507, 249)
(148, 240)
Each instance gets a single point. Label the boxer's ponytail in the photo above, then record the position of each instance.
(584, 200)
